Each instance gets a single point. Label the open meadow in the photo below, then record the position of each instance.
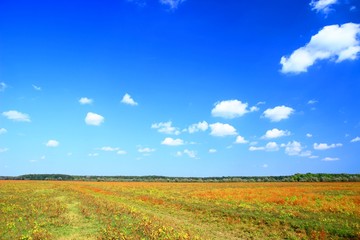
(139, 210)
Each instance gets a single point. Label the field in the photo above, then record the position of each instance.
(139, 210)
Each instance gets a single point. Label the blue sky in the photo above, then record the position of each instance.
(179, 87)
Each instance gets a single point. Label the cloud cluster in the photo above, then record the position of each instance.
(325, 146)
(334, 42)
(166, 127)
(17, 116)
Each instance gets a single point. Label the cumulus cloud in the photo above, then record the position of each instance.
(222, 130)
(146, 150)
(334, 42)
(16, 116)
(231, 109)
(330, 159)
(275, 133)
(325, 146)
(2, 86)
(200, 126)
(241, 140)
(293, 148)
(37, 88)
(166, 127)
(191, 154)
(212, 150)
(85, 100)
(309, 135)
(127, 99)
(323, 6)
(3, 130)
(173, 4)
(278, 113)
(172, 142)
(272, 146)
(52, 143)
(94, 119)
(357, 139)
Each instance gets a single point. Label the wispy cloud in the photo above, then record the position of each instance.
(17, 116)
(3, 150)
(37, 88)
(357, 139)
(325, 146)
(172, 4)
(127, 99)
(334, 42)
(3, 130)
(330, 159)
(323, 6)
(146, 150)
(166, 127)
(2, 86)
(212, 150)
(52, 143)
(85, 100)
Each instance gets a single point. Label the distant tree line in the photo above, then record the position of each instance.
(308, 177)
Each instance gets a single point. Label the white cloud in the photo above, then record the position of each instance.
(85, 100)
(330, 159)
(222, 129)
(293, 148)
(173, 4)
(230, 109)
(2, 131)
(165, 127)
(276, 133)
(191, 154)
(254, 109)
(127, 99)
(322, 5)
(172, 142)
(109, 149)
(17, 116)
(333, 42)
(272, 146)
(325, 146)
(121, 152)
(253, 148)
(94, 119)
(241, 140)
(212, 150)
(3, 150)
(357, 139)
(265, 166)
(52, 143)
(309, 135)
(43, 157)
(146, 150)
(278, 113)
(37, 88)
(2, 86)
(200, 126)
(312, 101)
(93, 154)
